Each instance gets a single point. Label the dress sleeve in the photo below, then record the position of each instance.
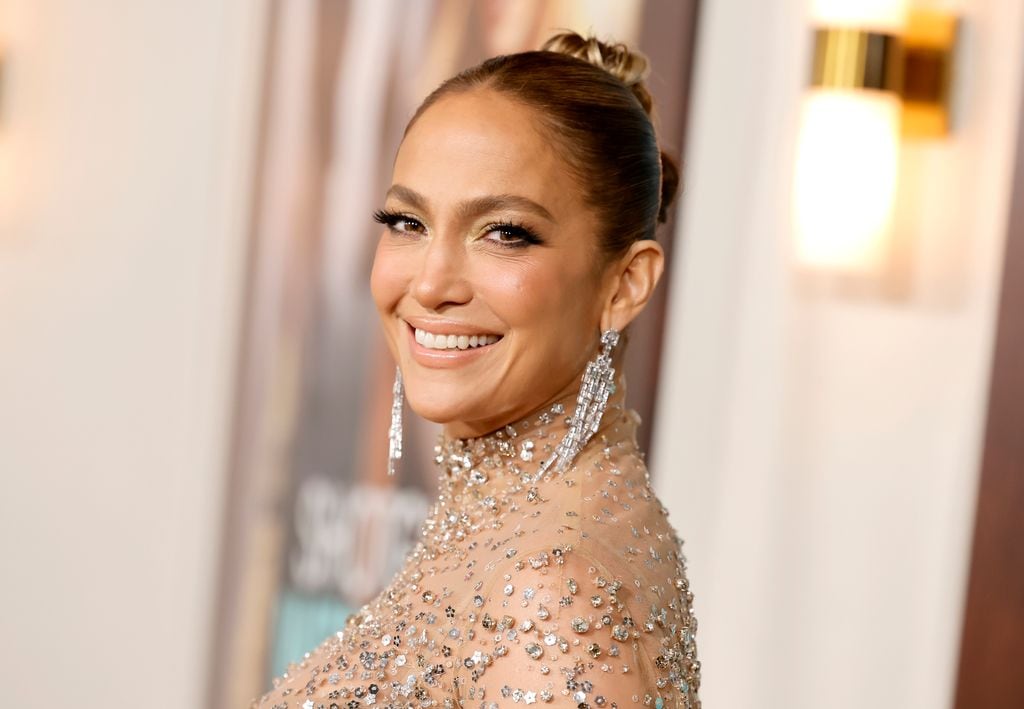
(412, 671)
(556, 627)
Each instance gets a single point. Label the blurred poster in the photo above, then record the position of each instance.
(315, 526)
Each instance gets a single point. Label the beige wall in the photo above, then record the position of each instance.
(123, 170)
(824, 451)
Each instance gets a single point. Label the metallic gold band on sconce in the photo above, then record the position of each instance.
(928, 46)
(917, 65)
(850, 58)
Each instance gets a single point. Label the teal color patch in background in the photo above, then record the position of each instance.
(303, 622)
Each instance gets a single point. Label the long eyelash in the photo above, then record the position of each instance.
(385, 216)
(391, 219)
(525, 233)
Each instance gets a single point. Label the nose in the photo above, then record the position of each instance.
(441, 278)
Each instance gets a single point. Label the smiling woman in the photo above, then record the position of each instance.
(518, 245)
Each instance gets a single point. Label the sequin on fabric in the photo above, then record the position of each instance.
(570, 591)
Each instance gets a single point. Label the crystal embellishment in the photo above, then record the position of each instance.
(598, 384)
(580, 573)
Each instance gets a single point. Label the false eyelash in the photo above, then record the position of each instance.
(384, 216)
(526, 235)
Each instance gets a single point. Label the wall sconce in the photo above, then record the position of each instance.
(880, 74)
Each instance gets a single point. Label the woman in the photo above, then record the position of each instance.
(519, 244)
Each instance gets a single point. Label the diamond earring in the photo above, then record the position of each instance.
(395, 431)
(598, 384)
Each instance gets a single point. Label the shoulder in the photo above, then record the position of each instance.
(560, 626)
(592, 607)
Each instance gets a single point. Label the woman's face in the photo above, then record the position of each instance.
(487, 322)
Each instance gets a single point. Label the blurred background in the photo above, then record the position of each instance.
(194, 396)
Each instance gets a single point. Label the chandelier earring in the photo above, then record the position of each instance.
(395, 431)
(598, 384)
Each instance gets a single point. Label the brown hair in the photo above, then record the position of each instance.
(591, 98)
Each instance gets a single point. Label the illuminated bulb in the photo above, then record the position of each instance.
(845, 179)
(888, 16)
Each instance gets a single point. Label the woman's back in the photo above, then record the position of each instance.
(570, 589)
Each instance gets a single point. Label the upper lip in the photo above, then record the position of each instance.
(442, 326)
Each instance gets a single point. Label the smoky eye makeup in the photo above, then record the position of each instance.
(513, 234)
(523, 235)
(392, 219)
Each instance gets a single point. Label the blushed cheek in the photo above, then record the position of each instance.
(547, 303)
(513, 292)
(550, 293)
(387, 281)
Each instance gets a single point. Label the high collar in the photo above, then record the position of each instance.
(520, 447)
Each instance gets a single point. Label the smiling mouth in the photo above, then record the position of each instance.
(442, 341)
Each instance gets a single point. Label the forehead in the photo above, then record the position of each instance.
(481, 142)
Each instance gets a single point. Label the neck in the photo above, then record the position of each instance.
(522, 445)
(469, 430)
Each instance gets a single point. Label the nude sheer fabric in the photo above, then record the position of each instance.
(568, 591)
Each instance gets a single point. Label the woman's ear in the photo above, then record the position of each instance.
(631, 283)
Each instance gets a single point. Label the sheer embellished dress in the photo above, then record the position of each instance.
(569, 590)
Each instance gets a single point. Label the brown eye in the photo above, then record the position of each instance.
(409, 225)
(512, 235)
(397, 223)
(504, 236)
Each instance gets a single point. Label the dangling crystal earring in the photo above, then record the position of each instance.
(395, 432)
(598, 384)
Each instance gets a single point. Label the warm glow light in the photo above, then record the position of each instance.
(881, 15)
(846, 168)
(6, 158)
(7, 183)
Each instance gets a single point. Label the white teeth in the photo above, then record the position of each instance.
(451, 342)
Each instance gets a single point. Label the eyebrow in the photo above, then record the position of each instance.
(476, 206)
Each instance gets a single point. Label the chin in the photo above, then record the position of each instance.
(443, 403)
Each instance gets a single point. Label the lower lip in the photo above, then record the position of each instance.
(444, 358)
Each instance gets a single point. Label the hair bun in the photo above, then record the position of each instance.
(630, 66)
(669, 185)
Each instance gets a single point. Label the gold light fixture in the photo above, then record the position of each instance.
(880, 74)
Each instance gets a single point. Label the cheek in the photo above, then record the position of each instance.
(387, 279)
(546, 302)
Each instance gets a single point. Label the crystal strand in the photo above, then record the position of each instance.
(395, 431)
(597, 385)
